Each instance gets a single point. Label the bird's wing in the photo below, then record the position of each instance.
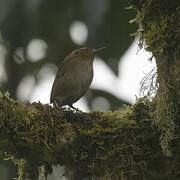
(65, 66)
(64, 79)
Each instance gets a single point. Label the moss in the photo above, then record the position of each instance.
(159, 24)
(102, 145)
(36, 135)
(28, 131)
(125, 144)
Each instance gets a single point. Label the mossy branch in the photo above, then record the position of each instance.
(99, 145)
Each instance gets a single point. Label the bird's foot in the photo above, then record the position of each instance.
(55, 104)
(71, 106)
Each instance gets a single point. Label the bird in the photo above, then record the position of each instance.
(73, 77)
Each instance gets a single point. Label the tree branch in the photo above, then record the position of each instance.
(104, 145)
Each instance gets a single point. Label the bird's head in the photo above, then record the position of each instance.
(86, 53)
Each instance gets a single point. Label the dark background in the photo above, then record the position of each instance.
(22, 21)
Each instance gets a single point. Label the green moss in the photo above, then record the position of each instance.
(95, 144)
(101, 145)
(159, 26)
(28, 132)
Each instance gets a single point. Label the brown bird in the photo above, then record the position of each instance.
(73, 77)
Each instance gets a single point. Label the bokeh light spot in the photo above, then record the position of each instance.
(100, 103)
(19, 55)
(25, 88)
(36, 50)
(45, 81)
(78, 32)
(3, 74)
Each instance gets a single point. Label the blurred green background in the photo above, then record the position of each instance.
(39, 33)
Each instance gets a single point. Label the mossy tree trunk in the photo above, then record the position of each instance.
(159, 30)
(138, 142)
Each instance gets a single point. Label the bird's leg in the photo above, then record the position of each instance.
(55, 104)
(71, 106)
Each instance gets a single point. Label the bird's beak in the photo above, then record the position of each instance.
(99, 49)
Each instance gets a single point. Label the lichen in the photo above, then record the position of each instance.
(97, 144)
(159, 24)
(102, 145)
